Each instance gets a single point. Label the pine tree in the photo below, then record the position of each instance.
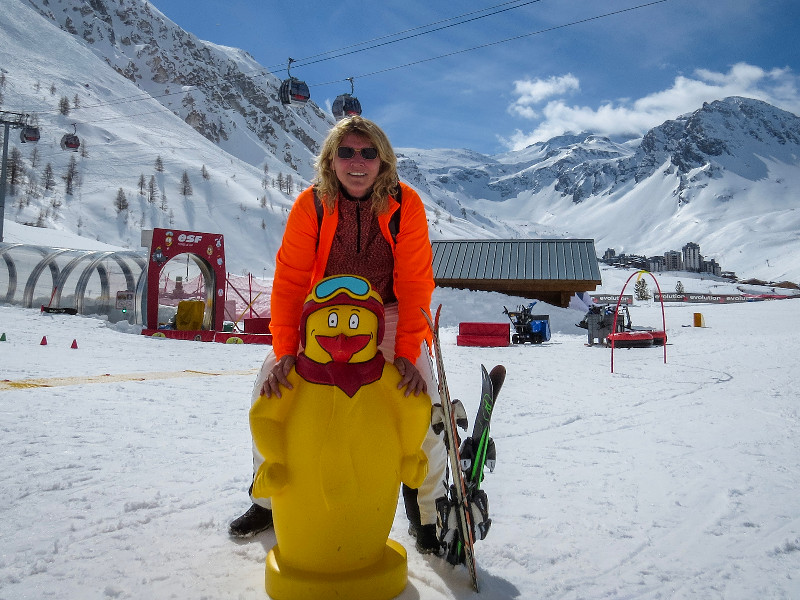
(641, 290)
(159, 164)
(121, 202)
(142, 184)
(33, 185)
(204, 172)
(16, 169)
(49, 178)
(63, 106)
(152, 190)
(186, 185)
(72, 173)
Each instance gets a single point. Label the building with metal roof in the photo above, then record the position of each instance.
(548, 270)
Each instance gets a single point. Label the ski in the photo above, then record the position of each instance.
(478, 450)
(457, 490)
(463, 513)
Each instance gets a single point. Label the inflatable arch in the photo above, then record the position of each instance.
(638, 275)
(208, 252)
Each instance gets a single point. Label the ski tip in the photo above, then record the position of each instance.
(498, 371)
(433, 321)
(497, 376)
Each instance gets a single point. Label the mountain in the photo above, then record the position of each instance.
(221, 92)
(155, 105)
(724, 176)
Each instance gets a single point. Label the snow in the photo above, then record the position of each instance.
(123, 461)
(674, 480)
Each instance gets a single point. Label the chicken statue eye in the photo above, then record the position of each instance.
(333, 320)
(353, 321)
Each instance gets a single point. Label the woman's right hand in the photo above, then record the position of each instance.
(278, 376)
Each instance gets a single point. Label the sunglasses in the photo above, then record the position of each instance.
(348, 152)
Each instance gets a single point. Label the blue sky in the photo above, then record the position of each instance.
(572, 69)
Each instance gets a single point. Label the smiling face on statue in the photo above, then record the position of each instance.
(342, 321)
(341, 333)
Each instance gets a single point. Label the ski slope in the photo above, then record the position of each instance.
(674, 480)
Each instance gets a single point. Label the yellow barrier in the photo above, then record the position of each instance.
(190, 315)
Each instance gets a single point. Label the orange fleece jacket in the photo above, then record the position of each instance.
(300, 264)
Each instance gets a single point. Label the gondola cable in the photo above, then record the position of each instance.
(302, 62)
(503, 41)
(186, 89)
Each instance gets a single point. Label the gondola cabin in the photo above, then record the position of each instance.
(344, 106)
(29, 134)
(70, 141)
(294, 91)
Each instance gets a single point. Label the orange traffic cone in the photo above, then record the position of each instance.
(74, 344)
(44, 341)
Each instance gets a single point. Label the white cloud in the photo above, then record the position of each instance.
(532, 92)
(777, 86)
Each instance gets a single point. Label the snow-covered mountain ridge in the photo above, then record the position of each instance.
(215, 89)
(722, 176)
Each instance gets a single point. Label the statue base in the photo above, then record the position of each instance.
(381, 581)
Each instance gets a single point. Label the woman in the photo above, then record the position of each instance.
(341, 225)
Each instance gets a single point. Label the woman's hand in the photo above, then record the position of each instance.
(411, 378)
(278, 376)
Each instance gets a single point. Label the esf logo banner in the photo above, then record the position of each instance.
(189, 239)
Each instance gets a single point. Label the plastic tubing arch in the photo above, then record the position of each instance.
(616, 312)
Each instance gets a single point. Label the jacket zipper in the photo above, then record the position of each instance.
(358, 226)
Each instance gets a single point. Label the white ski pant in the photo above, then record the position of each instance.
(432, 446)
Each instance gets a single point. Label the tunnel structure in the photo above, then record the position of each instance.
(118, 285)
(84, 281)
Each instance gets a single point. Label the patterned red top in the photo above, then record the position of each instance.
(359, 248)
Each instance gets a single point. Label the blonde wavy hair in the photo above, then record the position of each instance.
(386, 184)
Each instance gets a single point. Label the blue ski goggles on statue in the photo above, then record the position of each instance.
(357, 287)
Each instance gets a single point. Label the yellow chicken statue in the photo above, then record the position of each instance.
(336, 448)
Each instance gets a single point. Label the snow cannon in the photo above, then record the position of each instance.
(336, 448)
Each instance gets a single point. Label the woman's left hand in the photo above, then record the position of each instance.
(411, 378)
